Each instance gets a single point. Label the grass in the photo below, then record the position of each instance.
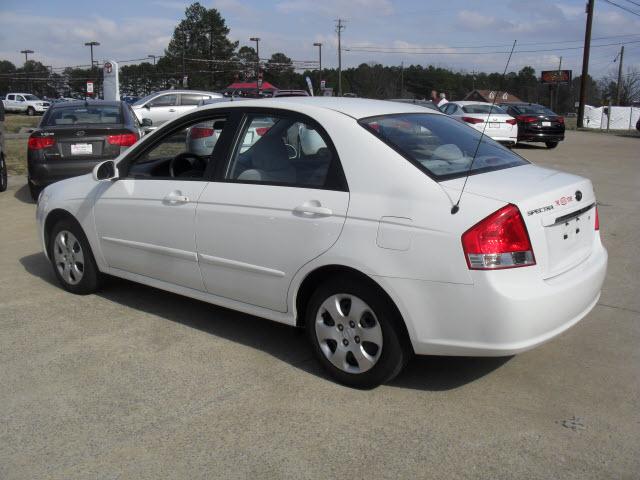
(13, 123)
(16, 155)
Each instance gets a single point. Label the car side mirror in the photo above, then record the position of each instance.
(146, 122)
(147, 106)
(106, 170)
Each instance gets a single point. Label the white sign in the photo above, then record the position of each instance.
(111, 81)
(310, 85)
(323, 83)
(90, 88)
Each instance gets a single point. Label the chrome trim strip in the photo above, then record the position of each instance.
(158, 249)
(247, 267)
(571, 215)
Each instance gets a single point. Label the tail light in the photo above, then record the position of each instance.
(262, 130)
(526, 119)
(201, 132)
(123, 140)
(472, 120)
(512, 121)
(560, 120)
(38, 143)
(597, 219)
(499, 241)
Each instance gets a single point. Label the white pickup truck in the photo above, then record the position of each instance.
(25, 103)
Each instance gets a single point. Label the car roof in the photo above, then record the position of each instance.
(79, 103)
(470, 102)
(198, 92)
(353, 107)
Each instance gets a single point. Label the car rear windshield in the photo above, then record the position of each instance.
(84, 115)
(440, 146)
(534, 109)
(479, 108)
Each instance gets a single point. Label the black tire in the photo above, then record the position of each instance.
(393, 356)
(34, 190)
(551, 144)
(91, 278)
(31, 111)
(3, 174)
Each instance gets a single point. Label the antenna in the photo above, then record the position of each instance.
(456, 206)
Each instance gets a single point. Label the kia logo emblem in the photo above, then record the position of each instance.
(80, 133)
(578, 195)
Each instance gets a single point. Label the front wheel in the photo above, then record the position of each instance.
(72, 259)
(354, 334)
(31, 111)
(3, 174)
(551, 144)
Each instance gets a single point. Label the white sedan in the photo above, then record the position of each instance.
(338, 218)
(485, 117)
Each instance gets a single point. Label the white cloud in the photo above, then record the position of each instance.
(337, 8)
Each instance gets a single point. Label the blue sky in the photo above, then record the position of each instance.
(57, 30)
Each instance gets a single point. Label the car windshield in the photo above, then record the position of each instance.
(30, 97)
(144, 100)
(534, 109)
(441, 146)
(482, 108)
(84, 115)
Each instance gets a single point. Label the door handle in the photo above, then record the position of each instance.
(176, 198)
(172, 109)
(313, 208)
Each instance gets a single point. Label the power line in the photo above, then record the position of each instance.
(635, 3)
(623, 8)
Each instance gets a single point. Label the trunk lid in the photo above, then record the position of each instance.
(83, 143)
(558, 209)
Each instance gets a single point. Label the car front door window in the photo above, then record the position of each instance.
(164, 101)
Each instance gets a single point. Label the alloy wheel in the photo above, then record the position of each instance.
(349, 333)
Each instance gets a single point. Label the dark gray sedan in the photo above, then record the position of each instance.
(74, 136)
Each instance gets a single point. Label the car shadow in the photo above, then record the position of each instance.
(530, 146)
(22, 194)
(283, 342)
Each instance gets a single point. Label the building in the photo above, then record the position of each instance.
(490, 95)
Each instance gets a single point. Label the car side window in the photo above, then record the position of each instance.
(169, 100)
(283, 151)
(191, 99)
(11, 97)
(20, 98)
(185, 153)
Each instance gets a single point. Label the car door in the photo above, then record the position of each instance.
(10, 103)
(189, 101)
(275, 207)
(161, 108)
(145, 220)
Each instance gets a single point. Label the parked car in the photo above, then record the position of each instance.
(74, 136)
(536, 123)
(25, 103)
(290, 93)
(423, 103)
(130, 99)
(162, 106)
(352, 236)
(3, 162)
(638, 125)
(485, 117)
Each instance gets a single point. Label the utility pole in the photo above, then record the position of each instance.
(211, 58)
(401, 78)
(585, 62)
(339, 29)
(257, 40)
(319, 45)
(26, 54)
(558, 84)
(473, 80)
(91, 45)
(154, 58)
(620, 76)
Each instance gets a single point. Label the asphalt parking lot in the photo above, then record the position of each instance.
(138, 383)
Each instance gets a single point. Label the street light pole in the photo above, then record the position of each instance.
(91, 45)
(319, 45)
(26, 54)
(257, 40)
(154, 58)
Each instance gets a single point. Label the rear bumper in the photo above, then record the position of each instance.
(533, 136)
(502, 313)
(45, 173)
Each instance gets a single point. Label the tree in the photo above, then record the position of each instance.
(200, 49)
(280, 72)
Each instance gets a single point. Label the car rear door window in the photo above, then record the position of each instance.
(191, 99)
(283, 151)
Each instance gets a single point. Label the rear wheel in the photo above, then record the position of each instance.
(72, 259)
(354, 333)
(31, 111)
(551, 144)
(3, 174)
(34, 190)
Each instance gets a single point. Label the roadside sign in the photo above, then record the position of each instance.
(259, 83)
(310, 85)
(323, 83)
(554, 77)
(110, 81)
(89, 88)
